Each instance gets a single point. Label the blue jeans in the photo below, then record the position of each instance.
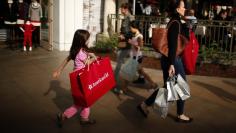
(179, 69)
(121, 55)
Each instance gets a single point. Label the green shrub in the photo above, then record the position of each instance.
(106, 44)
(214, 54)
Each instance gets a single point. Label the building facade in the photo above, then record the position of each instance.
(70, 15)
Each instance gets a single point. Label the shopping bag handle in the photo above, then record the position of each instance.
(96, 59)
(172, 78)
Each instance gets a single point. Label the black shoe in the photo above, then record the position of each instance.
(139, 81)
(145, 114)
(184, 121)
(87, 122)
(117, 91)
(59, 120)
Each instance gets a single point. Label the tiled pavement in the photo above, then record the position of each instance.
(30, 99)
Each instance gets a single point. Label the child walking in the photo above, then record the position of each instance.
(80, 55)
(136, 54)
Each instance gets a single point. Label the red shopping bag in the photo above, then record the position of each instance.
(190, 54)
(92, 82)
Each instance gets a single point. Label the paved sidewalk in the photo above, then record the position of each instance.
(30, 99)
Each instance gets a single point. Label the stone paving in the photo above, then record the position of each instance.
(30, 100)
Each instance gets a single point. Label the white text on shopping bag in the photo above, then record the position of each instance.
(92, 85)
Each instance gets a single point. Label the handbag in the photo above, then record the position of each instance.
(161, 104)
(172, 87)
(92, 82)
(183, 90)
(122, 44)
(129, 71)
(190, 54)
(160, 42)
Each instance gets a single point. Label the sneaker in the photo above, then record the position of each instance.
(30, 48)
(87, 122)
(139, 81)
(24, 48)
(117, 91)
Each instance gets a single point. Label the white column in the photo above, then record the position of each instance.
(67, 19)
(134, 2)
(109, 8)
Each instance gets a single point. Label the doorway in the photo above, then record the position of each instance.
(46, 24)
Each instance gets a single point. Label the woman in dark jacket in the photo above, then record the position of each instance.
(172, 65)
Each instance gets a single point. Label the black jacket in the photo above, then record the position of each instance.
(10, 13)
(172, 37)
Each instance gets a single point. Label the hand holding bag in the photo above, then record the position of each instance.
(160, 42)
(183, 90)
(122, 44)
(172, 87)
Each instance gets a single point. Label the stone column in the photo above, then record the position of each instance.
(109, 8)
(67, 19)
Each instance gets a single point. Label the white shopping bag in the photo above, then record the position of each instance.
(171, 85)
(183, 90)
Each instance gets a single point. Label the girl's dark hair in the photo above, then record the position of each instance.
(135, 24)
(172, 6)
(79, 41)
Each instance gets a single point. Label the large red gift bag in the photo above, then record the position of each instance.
(92, 82)
(190, 54)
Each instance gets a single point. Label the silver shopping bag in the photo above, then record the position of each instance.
(161, 98)
(183, 90)
(172, 87)
(161, 103)
(129, 71)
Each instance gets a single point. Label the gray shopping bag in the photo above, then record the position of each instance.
(183, 90)
(129, 71)
(171, 85)
(161, 104)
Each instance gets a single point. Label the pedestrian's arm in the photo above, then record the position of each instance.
(140, 42)
(58, 71)
(172, 36)
(22, 29)
(137, 44)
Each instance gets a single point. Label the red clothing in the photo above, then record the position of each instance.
(28, 34)
(27, 38)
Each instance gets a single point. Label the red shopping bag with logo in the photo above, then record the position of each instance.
(190, 54)
(92, 82)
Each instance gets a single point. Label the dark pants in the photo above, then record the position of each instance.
(36, 37)
(179, 69)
